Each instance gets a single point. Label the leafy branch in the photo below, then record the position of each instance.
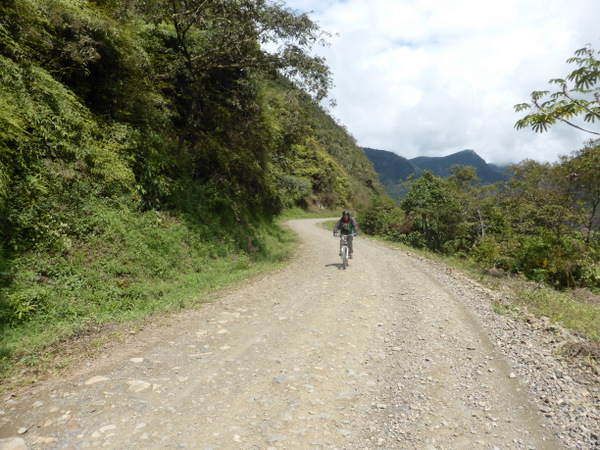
(582, 98)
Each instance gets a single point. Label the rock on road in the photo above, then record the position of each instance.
(381, 355)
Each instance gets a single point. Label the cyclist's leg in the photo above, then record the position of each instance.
(350, 246)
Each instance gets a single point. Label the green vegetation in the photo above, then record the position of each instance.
(542, 225)
(142, 265)
(146, 149)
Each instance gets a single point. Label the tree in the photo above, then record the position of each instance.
(378, 215)
(580, 98)
(217, 35)
(212, 58)
(582, 170)
(545, 217)
(433, 208)
(541, 196)
(477, 202)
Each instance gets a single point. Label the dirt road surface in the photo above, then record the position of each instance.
(385, 354)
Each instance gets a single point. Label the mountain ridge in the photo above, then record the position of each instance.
(393, 169)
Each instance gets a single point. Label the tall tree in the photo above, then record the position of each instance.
(477, 202)
(541, 197)
(583, 170)
(433, 208)
(582, 97)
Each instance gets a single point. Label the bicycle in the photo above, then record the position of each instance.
(344, 250)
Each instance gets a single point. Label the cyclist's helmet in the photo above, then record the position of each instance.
(345, 212)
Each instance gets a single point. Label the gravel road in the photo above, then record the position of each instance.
(393, 352)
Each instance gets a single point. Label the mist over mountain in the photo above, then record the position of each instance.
(393, 169)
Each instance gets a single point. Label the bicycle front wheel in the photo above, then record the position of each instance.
(344, 257)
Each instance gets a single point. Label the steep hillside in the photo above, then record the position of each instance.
(109, 102)
(392, 170)
(391, 167)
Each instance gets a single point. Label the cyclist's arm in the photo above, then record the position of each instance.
(336, 226)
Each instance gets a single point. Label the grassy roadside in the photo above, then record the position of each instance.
(119, 281)
(578, 311)
(298, 213)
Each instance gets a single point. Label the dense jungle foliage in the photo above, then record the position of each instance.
(143, 141)
(543, 223)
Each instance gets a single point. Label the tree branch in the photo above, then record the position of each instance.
(579, 128)
(577, 102)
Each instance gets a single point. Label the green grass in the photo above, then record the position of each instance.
(129, 270)
(562, 308)
(299, 213)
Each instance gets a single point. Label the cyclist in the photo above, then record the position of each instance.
(346, 225)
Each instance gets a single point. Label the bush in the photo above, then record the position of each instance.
(375, 217)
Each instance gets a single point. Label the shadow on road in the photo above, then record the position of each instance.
(340, 266)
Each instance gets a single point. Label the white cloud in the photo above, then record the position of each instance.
(432, 77)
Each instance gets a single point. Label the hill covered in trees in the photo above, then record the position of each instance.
(440, 166)
(140, 141)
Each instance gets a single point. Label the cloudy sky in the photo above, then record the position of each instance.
(433, 77)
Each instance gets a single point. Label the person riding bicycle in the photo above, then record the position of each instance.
(346, 225)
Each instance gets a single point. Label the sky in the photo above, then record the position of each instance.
(434, 77)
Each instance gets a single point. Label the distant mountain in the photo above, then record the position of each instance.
(440, 166)
(394, 169)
